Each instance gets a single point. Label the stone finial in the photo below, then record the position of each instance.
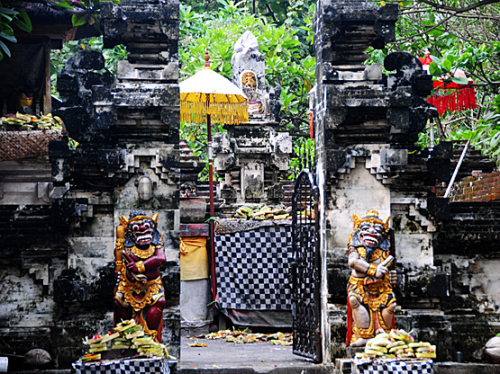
(248, 66)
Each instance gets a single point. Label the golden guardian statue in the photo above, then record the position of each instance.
(139, 254)
(371, 300)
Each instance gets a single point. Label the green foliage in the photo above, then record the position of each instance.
(196, 137)
(83, 11)
(11, 16)
(304, 151)
(288, 60)
(285, 45)
(58, 58)
(290, 13)
(458, 40)
(485, 134)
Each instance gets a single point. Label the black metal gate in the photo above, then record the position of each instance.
(306, 268)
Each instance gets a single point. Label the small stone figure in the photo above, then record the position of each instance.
(371, 300)
(139, 253)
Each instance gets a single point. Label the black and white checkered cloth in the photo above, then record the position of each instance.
(145, 366)
(137, 366)
(393, 366)
(96, 368)
(252, 269)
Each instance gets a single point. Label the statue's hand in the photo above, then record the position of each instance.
(381, 270)
(393, 274)
(131, 266)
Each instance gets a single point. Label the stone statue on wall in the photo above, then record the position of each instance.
(371, 300)
(139, 253)
(249, 74)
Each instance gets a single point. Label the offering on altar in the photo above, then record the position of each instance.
(397, 344)
(126, 340)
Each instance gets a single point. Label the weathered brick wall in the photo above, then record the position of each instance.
(483, 187)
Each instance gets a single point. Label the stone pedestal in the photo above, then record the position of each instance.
(253, 157)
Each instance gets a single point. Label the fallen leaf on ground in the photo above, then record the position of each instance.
(197, 344)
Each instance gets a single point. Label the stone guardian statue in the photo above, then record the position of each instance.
(371, 300)
(139, 254)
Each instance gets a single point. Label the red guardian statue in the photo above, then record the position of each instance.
(371, 300)
(139, 254)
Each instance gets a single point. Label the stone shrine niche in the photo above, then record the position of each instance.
(249, 74)
(249, 80)
(350, 195)
(253, 157)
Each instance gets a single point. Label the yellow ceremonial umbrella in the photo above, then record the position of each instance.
(208, 97)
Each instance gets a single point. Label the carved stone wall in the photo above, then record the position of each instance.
(366, 124)
(59, 282)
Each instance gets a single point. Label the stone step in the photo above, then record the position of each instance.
(220, 357)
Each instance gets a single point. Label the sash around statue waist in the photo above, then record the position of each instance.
(140, 295)
(366, 281)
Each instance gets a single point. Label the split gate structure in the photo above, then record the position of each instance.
(366, 125)
(128, 132)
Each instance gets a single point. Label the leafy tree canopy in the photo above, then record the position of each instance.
(284, 39)
(460, 34)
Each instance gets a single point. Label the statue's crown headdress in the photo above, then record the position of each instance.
(137, 215)
(371, 217)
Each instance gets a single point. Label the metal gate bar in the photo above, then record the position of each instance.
(305, 268)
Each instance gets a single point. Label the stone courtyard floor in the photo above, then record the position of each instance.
(260, 357)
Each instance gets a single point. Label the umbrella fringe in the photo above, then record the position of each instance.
(225, 113)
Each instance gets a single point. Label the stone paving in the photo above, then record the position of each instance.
(261, 357)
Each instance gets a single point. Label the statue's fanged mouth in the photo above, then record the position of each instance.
(371, 240)
(144, 237)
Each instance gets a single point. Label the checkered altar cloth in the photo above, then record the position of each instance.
(392, 366)
(156, 365)
(252, 269)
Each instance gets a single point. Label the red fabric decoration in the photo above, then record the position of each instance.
(450, 96)
(426, 60)
(311, 123)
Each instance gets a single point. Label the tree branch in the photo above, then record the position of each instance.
(272, 13)
(459, 10)
(53, 5)
(427, 30)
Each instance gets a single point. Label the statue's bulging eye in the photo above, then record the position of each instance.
(147, 225)
(135, 228)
